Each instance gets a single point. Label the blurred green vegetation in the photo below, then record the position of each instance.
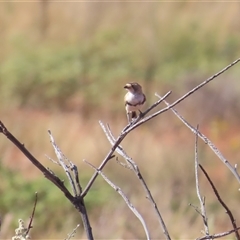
(18, 196)
(85, 72)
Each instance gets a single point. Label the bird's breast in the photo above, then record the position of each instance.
(134, 99)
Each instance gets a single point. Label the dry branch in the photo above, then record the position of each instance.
(54, 179)
(70, 169)
(142, 119)
(135, 169)
(207, 141)
(218, 235)
(61, 161)
(233, 221)
(77, 201)
(183, 97)
(120, 138)
(33, 212)
(201, 200)
(72, 234)
(127, 201)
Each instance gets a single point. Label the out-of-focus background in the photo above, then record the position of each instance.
(63, 67)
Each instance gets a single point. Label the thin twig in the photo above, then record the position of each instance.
(61, 157)
(77, 202)
(207, 141)
(183, 97)
(127, 166)
(32, 216)
(136, 170)
(75, 184)
(106, 129)
(233, 221)
(52, 160)
(120, 138)
(218, 235)
(196, 209)
(130, 127)
(53, 178)
(201, 200)
(74, 169)
(72, 234)
(129, 204)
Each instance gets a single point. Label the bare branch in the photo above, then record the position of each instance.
(53, 178)
(218, 235)
(72, 234)
(129, 204)
(52, 160)
(183, 97)
(207, 141)
(127, 166)
(117, 142)
(74, 169)
(78, 201)
(201, 200)
(119, 149)
(233, 221)
(136, 170)
(61, 158)
(104, 162)
(75, 184)
(120, 138)
(138, 122)
(196, 209)
(32, 216)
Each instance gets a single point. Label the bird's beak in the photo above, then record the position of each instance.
(127, 86)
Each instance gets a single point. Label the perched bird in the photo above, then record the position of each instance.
(134, 100)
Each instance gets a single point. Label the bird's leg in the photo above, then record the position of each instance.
(140, 113)
(129, 117)
(134, 115)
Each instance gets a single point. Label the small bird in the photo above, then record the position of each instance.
(134, 100)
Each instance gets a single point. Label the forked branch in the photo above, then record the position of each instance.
(135, 169)
(120, 138)
(218, 235)
(233, 221)
(142, 119)
(207, 141)
(125, 198)
(76, 200)
(48, 174)
(183, 97)
(201, 199)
